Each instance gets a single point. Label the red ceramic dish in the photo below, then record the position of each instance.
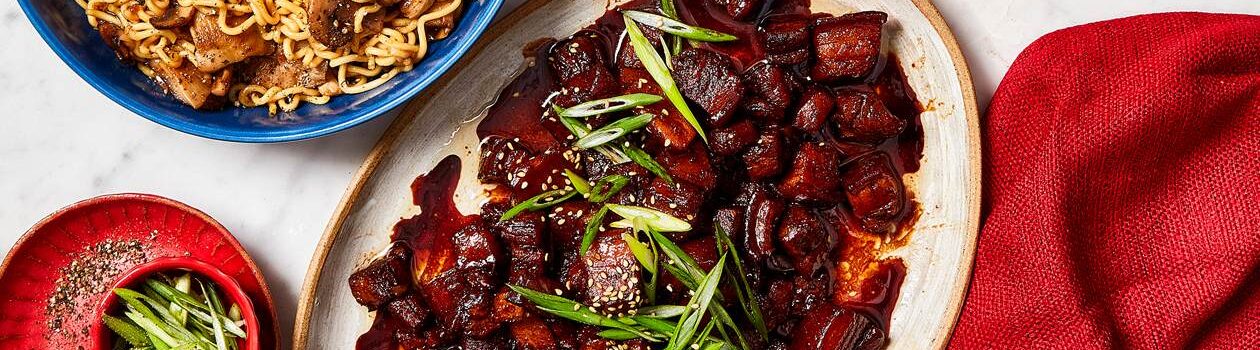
(111, 303)
(76, 248)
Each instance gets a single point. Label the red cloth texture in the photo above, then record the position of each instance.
(1122, 190)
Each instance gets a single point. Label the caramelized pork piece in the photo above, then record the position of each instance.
(112, 35)
(567, 223)
(383, 280)
(775, 304)
(786, 39)
(816, 104)
(613, 275)
(731, 221)
(668, 129)
(739, 9)
(532, 333)
(875, 191)
(215, 49)
(410, 310)
(762, 222)
(457, 278)
(765, 158)
(847, 47)
(805, 238)
(681, 200)
(332, 21)
(188, 84)
(691, 166)
(415, 8)
(626, 58)
(810, 292)
(709, 79)
(815, 174)
(584, 75)
(703, 250)
(732, 139)
(498, 154)
(831, 327)
(174, 17)
(861, 117)
(276, 70)
(770, 89)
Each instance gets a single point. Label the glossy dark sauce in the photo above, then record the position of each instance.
(861, 277)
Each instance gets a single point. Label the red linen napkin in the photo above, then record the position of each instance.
(1122, 180)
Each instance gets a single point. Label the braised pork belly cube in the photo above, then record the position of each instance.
(766, 157)
(775, 305)
(668, 128)
(481, 342)
(458, 280)
(509, 306)
(701, 249)
(528, 267)
(612, 275)
(626, 58)
(815, 174)
(761, 223)
(583, 72)
(875, 191)
(410, 310)
(739, 9)
(542, 172)
(525, 230)
(732, 139)
(384, 279)
(567, 223)
(709, 79)
(832, 327)
(498, 155)
(805, 239)
(816, 105)
(861, 117)
(770, 92)
(731, 221)
(532, 333)
(691, 166)
(680, 199)
(786, 39)
(810, 292)
(847, 47)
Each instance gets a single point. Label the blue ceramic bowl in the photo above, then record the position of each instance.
(64, 27)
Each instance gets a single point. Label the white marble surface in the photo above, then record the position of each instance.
(61, 141)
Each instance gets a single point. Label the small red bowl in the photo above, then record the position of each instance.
(112, 304)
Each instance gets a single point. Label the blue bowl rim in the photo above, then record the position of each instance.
(478, 28)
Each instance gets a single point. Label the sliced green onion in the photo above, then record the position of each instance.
(578, 129)
(660, 311)
(574, 311)
(592, 229)
(680, 29)
(660, 73)
(641, 157)
(609, 105)
(654, 219)
(539, 202)
(128, 331)
(689, 321)
(641, 252)
(608, 186)
(613, 131)
(617, 334)
(578, 182)
(747, 300)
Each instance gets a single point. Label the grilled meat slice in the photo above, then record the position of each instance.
(709, 79)
(214, 49)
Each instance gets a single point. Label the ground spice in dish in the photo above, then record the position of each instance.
(89, 275)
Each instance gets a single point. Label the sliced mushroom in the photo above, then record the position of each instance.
(175, 16)
(215, 49)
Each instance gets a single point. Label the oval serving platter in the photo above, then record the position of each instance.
(443, 122)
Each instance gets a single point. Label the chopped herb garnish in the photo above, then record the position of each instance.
(641, 157)
(613, 131)
(152, 319)
(660, 73)
(689, 321)
(607, 186)
(578, 129)
(654, 219)
(578, 183)
(609, 105)
(680, 29)
(592, 229)
(539, 202)
(572, 310)
(744, 290)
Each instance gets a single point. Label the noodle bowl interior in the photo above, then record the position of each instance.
(274, 53)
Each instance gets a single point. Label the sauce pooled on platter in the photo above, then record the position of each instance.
(799, 186)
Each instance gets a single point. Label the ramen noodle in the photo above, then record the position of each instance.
(274, 53)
